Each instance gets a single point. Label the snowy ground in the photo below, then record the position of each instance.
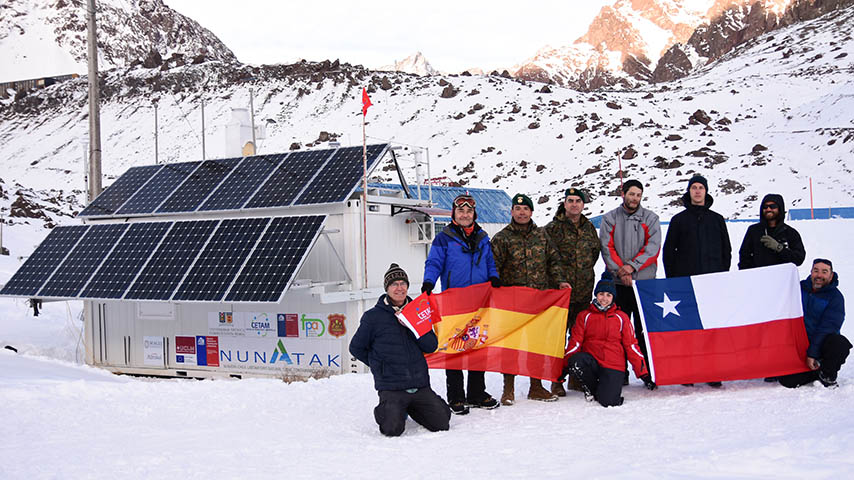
(65, 420)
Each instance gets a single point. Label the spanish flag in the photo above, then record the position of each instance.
(516, 330)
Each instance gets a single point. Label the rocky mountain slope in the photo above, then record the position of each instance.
(48, 37)
(415, 64)
(767, 116)
(637, 42)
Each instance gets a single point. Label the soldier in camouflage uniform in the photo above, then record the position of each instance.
(577, 242)
(525, 256)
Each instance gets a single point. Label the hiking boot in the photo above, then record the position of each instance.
(827, 381)
(557, 389)
(508, 396)
(487, 404)
(537, 392)
(715, 384)
(459, 408)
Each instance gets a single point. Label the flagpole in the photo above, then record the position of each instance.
(364, 201)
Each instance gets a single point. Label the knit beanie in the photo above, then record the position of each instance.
(606, 284)
(522, 199)
(698, 179)
(461, 199)
(393, 274)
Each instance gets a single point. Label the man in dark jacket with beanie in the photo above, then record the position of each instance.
(397, 362)
(824, 312)
(697, 240)
(771, 241)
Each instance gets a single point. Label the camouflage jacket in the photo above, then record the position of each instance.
(579, 249)
(525, 256)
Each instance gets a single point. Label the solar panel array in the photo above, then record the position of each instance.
(245, 260)
(263, 181)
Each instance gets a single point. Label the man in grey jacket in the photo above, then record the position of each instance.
(630, 236)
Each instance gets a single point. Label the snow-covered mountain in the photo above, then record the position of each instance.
(48, 37)
(767, 116)
(636, 42)
(416, 64)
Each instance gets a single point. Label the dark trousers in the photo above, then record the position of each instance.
(574, 310)
(476, 390)
(627, 303)
(834, 351)
(606, 384)
(424, 406)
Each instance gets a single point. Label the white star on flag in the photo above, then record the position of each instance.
(668, 306)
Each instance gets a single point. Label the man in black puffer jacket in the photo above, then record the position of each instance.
(697, 240)
(771, 241)
(397, 362)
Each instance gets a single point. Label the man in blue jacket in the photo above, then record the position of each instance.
(461, 256)
(397, 362)
(824, 312)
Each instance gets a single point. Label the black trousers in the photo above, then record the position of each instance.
(834, 352)
(628, 304)
(574, 310)
(606, 384)
(476, 389)
(424, 406)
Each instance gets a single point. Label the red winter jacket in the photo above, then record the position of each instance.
(609, 336)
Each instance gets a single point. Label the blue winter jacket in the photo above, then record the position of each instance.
(395, 356)
(824, 312)
(453, 260)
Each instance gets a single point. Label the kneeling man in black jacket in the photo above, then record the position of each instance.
(397, 362)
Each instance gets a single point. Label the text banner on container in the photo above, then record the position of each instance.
(724, 326)
(516, 330)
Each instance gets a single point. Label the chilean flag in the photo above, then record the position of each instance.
(724, 326)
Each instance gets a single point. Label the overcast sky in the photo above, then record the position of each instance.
(452, 34)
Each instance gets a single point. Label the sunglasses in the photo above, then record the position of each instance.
(465, 201)
(770, 206)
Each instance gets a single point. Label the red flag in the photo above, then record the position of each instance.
(366, 102)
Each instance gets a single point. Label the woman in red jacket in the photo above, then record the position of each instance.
(601, 340)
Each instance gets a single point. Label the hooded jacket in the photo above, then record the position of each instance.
(609, 337)
(697, 241)
(824, 312)
(753, 254)
(633, 238)
(395, 356)
(460, 261)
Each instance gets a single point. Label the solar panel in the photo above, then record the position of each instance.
(340, 177)
(164, 271)
(73, 273)
(289, 179)
(120, 191)
(275, 260)
(221, 259)
(159, 188)
(40, 265)
(198, 185)
(125, 261)
(242, 183)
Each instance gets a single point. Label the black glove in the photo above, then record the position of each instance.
(648, 383)
(427, 288)
(495, 282)
(770, 243)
